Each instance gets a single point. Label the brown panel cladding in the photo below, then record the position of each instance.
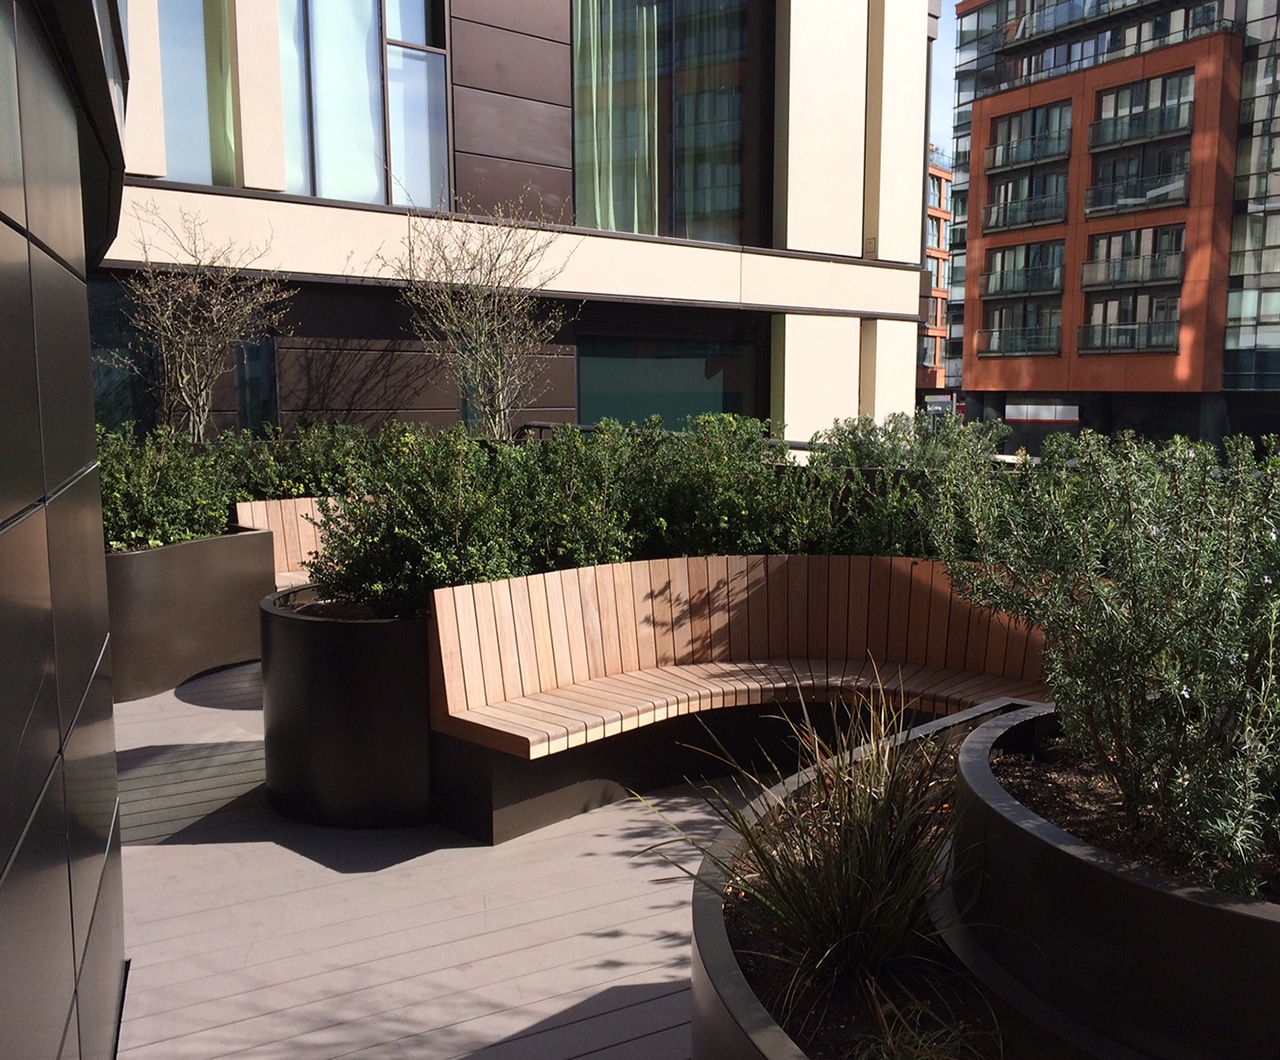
(486, 181)
(513, 64)
(538, 18)
(486, 123)
(1197, 367)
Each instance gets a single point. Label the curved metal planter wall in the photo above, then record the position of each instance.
(1112, 958)
(181, 609)
(345, 711)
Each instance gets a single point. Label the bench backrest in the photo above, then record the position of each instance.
(289, 520)
(505, 639)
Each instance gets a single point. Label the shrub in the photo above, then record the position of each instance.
(571, 499)
(160, 491)
(320, 460)
(835, 872)
(1151, 568)
(428, 510)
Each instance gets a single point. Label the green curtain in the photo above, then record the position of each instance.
(616, 58)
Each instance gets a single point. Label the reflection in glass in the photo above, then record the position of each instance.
(293, 85)
(419, 133)
(346, 82)
(407, 21)
(185, 92)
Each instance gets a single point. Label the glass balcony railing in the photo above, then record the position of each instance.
(1154, 336)
(1019, 212)
(1173, 120)
(1054, 18)
(1117, 272)
(1255, 262)
(1027, 150)
(1138, 193)
(1021, 281)
(1020, 342)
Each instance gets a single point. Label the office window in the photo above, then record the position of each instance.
(632, 379)
(668, 109)
(340, 59)
(195, 86)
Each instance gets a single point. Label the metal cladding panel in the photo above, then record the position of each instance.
(514, 64)
(35, 934)
(525, 130)
(90, 763)
(102, 968)
(78, 583)
(28, 686)
(12, 200)
(66, 378)
(50, 147)
(487, 181)
(538, 18)
(21, 483)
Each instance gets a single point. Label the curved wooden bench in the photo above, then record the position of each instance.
(534, 666)
(546, 690)
(292, 522)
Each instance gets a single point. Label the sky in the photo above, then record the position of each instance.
(941, 102)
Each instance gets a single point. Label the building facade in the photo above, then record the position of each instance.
(931, 373)
(736, 233)
(61, 905)
(1114, 209)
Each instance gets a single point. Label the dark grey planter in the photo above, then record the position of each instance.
(345, 711)
(182, 609)
(729, 1022)
(1111, 958)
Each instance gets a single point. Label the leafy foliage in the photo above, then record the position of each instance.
(320, 460)
(160, 491)
(1151, 568)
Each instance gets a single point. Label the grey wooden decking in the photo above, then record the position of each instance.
(255, 936)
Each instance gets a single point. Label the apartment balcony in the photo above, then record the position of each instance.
(1174, 120)
(1139, 193)
(1020, 281)
(1130, 272)
(1026, 151)
(1054, 19)
(1153, 336)
(1019, 213)
(1020, 342)
(958, 234)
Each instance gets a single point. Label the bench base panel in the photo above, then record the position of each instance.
(493, 797)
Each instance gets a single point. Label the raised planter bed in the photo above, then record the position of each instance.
(729, 1022)
(346, 719)
(1106, 957)
(181, 609)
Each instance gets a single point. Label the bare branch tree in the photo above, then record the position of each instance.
(473, 292)
(191, 311)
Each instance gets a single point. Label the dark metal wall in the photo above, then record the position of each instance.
(512, 105)
(61, 911)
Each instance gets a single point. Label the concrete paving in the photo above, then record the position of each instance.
(254, 936)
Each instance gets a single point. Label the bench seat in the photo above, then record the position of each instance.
(534, 666)
(295, 537)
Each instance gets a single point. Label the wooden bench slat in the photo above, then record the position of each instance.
(819, 568)
(858, 644)
(490, 654)
(919, 616)
(664, 640)
(607, 593)
(681, 611)
(700, 634)
(624, 600)
(540, 616)
(448, 644)
(508, 648)
(308, 532)
(756, 609)
(737, 591)
(572, 594)
(718, 603)
(797, 568)
(777, 594)
(553, 583)
(646, 632)
(592, 625)
(979, 627)
(525, 638)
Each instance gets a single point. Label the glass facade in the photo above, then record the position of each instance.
(195, 85)
(630, 380)
(358, 77)
(666, 116)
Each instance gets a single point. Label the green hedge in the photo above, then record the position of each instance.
(416, 508)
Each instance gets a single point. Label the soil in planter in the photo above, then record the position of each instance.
(1073, 794)
(341, 609)
(839, 1022)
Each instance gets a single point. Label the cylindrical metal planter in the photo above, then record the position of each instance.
(346, 717)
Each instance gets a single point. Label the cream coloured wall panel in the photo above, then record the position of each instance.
(896, 90)
(259, 110)
(848, 286)
(888, 368)
(821, 122)
(816, 370)
(144, 109)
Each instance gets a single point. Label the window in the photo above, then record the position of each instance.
(934, 232)
(632, 379)
(667, 118)
(195, 75)
(365, 100)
